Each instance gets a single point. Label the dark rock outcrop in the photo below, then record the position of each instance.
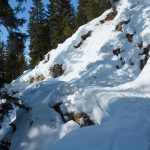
(56, 70)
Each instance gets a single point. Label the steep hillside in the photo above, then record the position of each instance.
(108, 48)
(93, 78)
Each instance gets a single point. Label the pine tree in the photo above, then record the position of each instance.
(90, 9)
(8, 17)
(14, 58)
(82, 17)
(93, 10)
(96, 8)
(38, 33)
(61, 19)
(2, 59)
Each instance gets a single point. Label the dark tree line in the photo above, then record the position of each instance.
(47, 27)
(12, 60)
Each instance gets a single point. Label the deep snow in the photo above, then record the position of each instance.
(116, 100)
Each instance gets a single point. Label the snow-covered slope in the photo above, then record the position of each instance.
(101, 84)
(94, 58)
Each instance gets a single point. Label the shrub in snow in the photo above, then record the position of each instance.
(31, 80)
(39, 78)
(36, 79)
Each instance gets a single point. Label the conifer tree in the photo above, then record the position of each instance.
(38, 33)
(81, 17)
(61, 19)
(90, 9)
(93, 10)
(10, 20)
(14, 58)
(2, 59)
(8, 17)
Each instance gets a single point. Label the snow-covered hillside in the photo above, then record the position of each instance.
(93, 78)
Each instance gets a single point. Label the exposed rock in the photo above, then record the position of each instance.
(143, 62)
(140, 45)
(129, 37)
(78, 45)
(116, 51)
(131, 63)
(119, 25)
(111, 16)
(102, 21)
(13, 126)
(146, 50)
(85, 36)
(75, 116)
(57, 108)
(118, 67)
(146, 53)
(122, 61)
(56, 70)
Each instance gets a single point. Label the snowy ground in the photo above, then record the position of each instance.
(116, 100)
